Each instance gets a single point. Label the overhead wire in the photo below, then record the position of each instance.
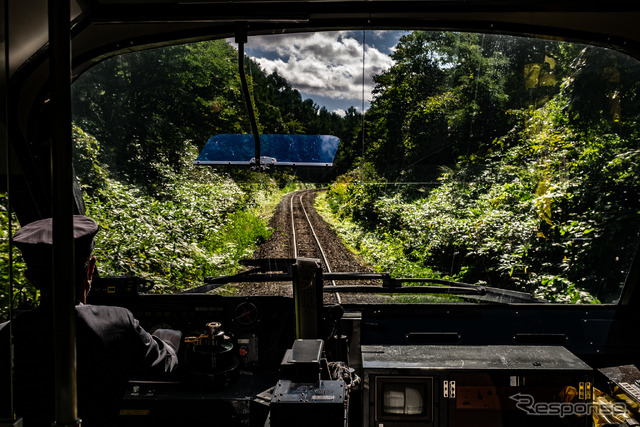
(364, 39)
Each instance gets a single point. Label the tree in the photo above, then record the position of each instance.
(450, 94)
(146, 106)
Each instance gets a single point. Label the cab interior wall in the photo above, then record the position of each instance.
(601, 335)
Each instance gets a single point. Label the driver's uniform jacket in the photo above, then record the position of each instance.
(111, 349)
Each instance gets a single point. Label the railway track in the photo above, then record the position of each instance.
(288, 216)
(305, 242)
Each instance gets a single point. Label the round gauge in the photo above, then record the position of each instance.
(245, 314)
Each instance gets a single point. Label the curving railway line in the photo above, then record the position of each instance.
(299, 231)
(304, 240)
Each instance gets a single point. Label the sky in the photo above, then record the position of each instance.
(327, 67)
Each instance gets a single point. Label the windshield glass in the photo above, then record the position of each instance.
(483, 162)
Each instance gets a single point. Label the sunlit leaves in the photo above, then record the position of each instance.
(546, 209)
(23, 292)
(200, 226)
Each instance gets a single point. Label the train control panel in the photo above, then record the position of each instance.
(242, 362)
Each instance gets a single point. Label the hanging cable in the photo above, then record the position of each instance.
(5, 74)
(241, 39)
(475, 94)
(364, 32)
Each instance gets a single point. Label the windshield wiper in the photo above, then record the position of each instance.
(264, 270)
(279, 270)
(394, 285)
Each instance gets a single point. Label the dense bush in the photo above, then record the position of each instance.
(528, 155)
(23, 292)
(161, 218)
(199, 223)
(545, 209)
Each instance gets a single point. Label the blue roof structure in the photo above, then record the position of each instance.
(284, 150)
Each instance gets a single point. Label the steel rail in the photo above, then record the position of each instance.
(294, 243)
(313, 233)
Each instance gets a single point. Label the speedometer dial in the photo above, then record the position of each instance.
(245, 314)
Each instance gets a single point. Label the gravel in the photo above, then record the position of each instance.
(279, 245)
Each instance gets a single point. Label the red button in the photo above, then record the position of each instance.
(243, 351)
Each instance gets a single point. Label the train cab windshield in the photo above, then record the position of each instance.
(484, 162)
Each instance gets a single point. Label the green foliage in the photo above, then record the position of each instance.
(428, 105)
(547, 209)
(354, 194)
(540, 197)
(557, 289)
(23, 292)
(144, 130)
(201, 226)
(449, 93)
(524, 184)
(380, 249)
(151, 111)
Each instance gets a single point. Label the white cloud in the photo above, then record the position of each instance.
(325, 64)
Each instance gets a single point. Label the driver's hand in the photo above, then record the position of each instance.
(169, 336)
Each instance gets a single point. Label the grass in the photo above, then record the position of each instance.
(381, 254)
